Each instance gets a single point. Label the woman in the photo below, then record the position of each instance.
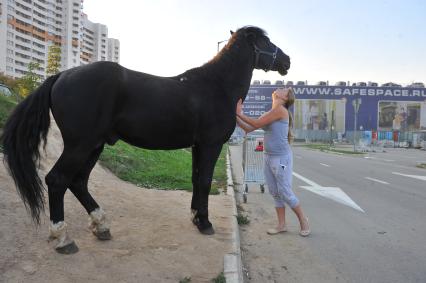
(278, 156)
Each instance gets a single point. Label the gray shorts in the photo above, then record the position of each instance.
(278, 171)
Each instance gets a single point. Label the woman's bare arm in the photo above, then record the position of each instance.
(266, 119)
(247, 128)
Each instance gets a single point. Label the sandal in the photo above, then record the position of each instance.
(305, 232)
(274, 231)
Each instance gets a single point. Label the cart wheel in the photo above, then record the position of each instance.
(245, 192)
(262, 188)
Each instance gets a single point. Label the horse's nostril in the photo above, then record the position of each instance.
(287, 65)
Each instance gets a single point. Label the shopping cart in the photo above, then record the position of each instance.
(253, 161)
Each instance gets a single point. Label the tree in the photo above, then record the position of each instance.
(53, 60)
(30, 81)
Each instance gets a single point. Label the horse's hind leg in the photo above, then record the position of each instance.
(58, 180)
(79, 188)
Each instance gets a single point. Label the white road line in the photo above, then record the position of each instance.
(306, 180)
(323, 164)
(332, 193)
(419, 177)
(376, 180)
(372, 157)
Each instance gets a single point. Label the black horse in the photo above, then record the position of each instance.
(103, 102)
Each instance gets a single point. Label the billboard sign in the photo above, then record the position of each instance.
(259, 101)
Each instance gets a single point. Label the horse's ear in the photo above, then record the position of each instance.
(231, 32)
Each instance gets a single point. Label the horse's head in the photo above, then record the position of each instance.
(267, 56)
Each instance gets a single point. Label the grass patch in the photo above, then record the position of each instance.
(421, 165)
(328, 148)
(219, 279)
(185, 280)
(242, 219)
(7, 104)
(165, 169)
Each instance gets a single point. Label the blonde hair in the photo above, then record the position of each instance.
(290, 101)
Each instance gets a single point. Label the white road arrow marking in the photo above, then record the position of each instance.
(423, 178)
(326, 165)
(332, 193)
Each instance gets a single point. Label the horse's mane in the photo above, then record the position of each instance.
(244, 31)
(225, 56)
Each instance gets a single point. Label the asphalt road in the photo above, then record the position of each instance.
(367, 216)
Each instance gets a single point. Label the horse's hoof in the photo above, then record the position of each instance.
(103, 236)
(206, 231)
(71, 248)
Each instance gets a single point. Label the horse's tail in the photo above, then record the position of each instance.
(23, 131)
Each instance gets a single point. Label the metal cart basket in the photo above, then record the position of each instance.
(253, 161)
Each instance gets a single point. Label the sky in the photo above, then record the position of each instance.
(328, 40)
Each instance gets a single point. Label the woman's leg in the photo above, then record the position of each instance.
(284, 182)
(273, 190)
(281, 217)
(303, 220)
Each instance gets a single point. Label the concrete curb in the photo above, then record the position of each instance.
(232, 264)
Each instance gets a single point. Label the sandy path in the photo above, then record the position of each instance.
(153, 238)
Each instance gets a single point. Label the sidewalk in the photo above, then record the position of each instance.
(281, 258)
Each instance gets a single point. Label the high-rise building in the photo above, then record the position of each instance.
(29, 27)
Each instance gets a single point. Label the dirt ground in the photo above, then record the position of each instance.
(153, 237)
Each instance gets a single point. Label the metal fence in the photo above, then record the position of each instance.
(411, 139)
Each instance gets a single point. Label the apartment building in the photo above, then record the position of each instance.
(113, 50)
(29, 27)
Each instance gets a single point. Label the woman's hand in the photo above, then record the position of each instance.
(239, 107)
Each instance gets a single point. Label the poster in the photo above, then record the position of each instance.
(401, 116)
(316, 114)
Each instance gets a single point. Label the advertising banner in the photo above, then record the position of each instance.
(377, 106)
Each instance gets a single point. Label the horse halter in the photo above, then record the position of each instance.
(258, 51)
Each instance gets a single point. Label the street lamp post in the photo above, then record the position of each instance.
(331, 127)
(355, 103)
(219, 42)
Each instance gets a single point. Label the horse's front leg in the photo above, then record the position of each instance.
(206, 157)
(195, 180)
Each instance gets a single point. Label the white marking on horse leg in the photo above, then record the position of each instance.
(98, 221)
(193, 214)
(59, 231)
